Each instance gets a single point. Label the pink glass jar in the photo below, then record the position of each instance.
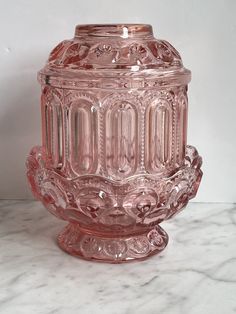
(114, 161)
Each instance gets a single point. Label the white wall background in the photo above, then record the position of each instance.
(204, 32)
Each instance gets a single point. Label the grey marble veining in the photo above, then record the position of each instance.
(196, 274)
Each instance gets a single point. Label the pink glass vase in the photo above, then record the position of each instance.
(114, 161)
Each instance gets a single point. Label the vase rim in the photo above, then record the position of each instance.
(114, 30)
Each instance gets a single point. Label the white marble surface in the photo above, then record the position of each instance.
(196, 274)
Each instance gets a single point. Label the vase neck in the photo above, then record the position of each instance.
(114, 30)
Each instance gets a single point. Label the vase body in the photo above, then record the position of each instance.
(114, 160)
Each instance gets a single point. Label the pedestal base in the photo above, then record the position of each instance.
(107, 207)
(112, 249)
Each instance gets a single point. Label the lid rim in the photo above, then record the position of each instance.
(147, 80)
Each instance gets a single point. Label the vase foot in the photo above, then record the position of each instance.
(118, 249)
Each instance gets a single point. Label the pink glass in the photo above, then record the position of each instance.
(114, 161)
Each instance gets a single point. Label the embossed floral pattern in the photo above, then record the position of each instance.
(82, 54)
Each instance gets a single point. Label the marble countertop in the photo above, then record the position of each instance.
(195, 274)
